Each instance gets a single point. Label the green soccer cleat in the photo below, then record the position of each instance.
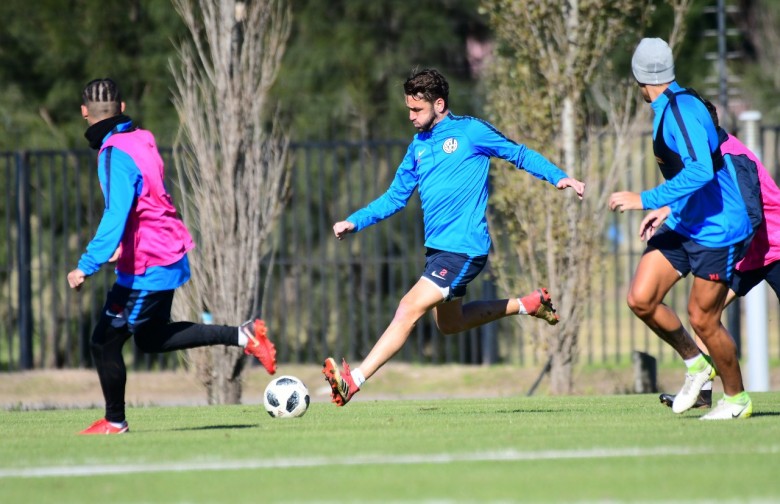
(727, 410)
(703, 401)
(686, 397)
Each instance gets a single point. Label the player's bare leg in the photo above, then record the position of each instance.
(421, 297)
(451, 317)
(705, 307)
(653, 279)
(345, 383)
(454, 316)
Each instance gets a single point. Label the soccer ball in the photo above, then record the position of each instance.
(286, 397)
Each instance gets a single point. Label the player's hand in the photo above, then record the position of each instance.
(579, 187)
(115, 256)
(342, 228)
(652, 222)
(76, 279)
(625, 200)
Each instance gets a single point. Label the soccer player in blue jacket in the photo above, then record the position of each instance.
(706, 233)
(447, 162)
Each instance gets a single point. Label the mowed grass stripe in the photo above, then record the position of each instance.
(538, 449)
(441, 458)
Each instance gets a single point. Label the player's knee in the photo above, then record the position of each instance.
(407, 313)
(107, 340)
(702, 323)
(96, 347)
(640, 306)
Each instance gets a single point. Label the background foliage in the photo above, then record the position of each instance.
(340, 77)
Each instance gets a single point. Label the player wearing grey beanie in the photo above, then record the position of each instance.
(697, 224)
(653, 62)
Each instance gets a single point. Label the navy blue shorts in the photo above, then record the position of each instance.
(743, 281)
(132, 308)
(451, 272)
(710, 263)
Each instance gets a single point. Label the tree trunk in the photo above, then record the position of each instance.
(227, 385)
(561, 369)
(233, 160)
(219, 369)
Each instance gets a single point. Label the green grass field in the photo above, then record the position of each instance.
(556, 449)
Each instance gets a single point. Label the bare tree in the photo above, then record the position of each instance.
(231, 157)
(551, 54)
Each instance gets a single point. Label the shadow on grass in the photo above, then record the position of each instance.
(516, 411)
(755, 414)
(765, 413)
(218, 427)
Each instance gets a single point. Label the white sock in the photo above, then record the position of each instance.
(242, 338)
(119, 425)
(707, 385)
(357, 377)
(522, 310)
(690, 362)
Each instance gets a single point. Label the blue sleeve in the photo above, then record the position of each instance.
(121, 182)
(491, 142)
(394, 199)
(686, 134)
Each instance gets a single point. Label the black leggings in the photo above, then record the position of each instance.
(145, 316)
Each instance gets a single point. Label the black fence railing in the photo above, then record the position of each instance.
(321, 296)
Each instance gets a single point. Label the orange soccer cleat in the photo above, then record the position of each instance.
(539, 304)
(103, 426)
(259, 345)
(342, 386)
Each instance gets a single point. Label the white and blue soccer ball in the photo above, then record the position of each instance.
(286, 397)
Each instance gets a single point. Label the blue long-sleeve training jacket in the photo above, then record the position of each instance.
(706, 205)
(122, 183)
(449, 167)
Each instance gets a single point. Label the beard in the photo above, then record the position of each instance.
(426, 126)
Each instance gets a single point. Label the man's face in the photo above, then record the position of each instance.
(645, 93)
(421, 112)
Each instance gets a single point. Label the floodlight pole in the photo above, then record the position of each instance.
(755, 302)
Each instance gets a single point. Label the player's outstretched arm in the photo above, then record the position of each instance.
(579, 187)
(343, 228)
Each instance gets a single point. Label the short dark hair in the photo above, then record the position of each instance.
(102, 97)
(429, 84)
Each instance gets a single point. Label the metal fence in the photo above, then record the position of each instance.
(322, 296)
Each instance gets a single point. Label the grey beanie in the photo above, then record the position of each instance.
(652, 62)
